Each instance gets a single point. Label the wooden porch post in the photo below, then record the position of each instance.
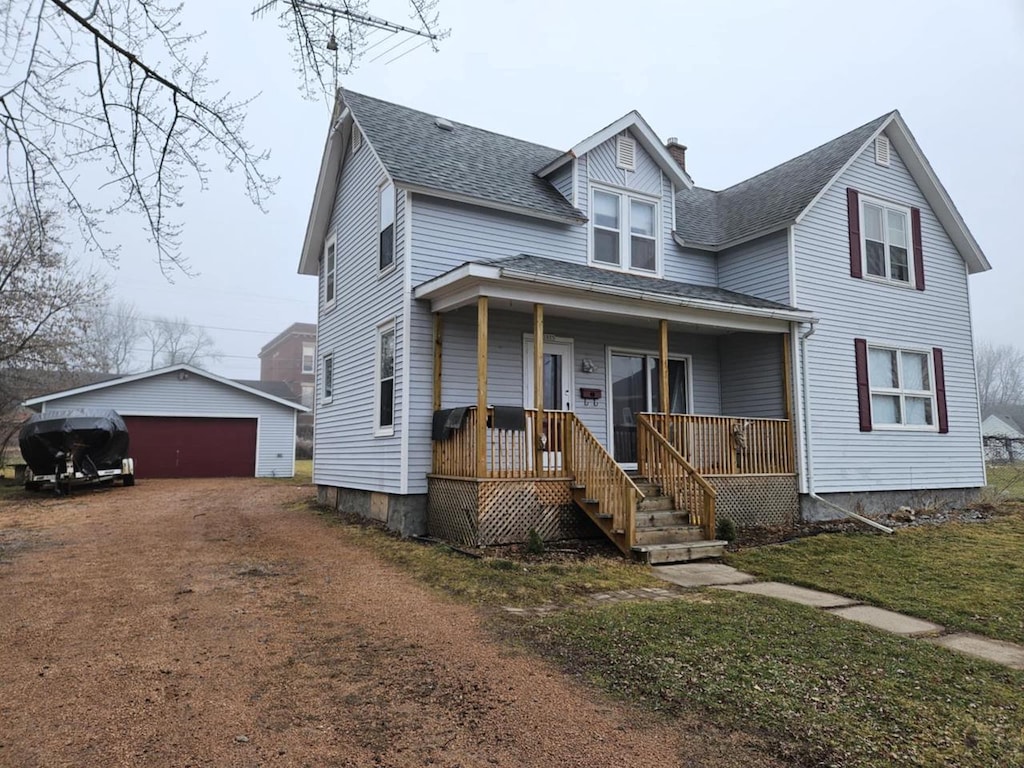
(663, 354)
(481, 386)
(438, 330)
(787, 394)
(538, 386)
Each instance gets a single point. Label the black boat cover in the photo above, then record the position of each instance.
(93, 438)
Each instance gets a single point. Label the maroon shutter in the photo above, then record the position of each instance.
(860, 348)
(915, 232)
(940, 390)
(853, 222)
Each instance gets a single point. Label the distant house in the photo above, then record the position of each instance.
(186, 422)
(1004, 438)
(515, 337)
(291, 357)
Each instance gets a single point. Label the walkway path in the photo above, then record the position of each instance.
(720, 576)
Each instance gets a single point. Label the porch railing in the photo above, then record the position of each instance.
(614, 491)
(728, 445)
(539, 450)
(661, 463)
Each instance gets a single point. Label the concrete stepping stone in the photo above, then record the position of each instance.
(701, 574)
(890, 621)
(793, 594)
(999, 651)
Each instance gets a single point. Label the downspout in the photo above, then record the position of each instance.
(808, 450)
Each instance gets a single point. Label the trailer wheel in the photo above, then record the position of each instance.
(129, 480)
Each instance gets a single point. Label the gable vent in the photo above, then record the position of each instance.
(444, 125)
(357, 139)
(626, 153)
(882, 150)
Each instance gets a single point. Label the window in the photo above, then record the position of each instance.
(624, 231)
(901, 388)
(387, 225)
(386, 379)
(308, 351)
(328, 378)
(886, 232)
(329, 272)
(307, 395)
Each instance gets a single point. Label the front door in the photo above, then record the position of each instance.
(558, 381)
(635, 388)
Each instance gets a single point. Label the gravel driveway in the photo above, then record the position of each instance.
(218, 622)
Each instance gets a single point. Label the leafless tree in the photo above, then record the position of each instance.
(116, 90)
(1000, 375)
(46, 305)
(174, 340)
(113, 339)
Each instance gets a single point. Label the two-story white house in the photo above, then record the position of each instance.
(513, 336)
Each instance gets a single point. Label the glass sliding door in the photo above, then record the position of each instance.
(635, 388)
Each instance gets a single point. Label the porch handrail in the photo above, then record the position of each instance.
(729, 445)
(662, 464)
(605, 481)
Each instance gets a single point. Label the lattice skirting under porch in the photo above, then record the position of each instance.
(756, 501)
(486, 512)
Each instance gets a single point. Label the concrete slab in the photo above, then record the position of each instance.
(701, 574)
(1007, 654)
(811, 597)
(890, 621)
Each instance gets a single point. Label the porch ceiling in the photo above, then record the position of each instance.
(577, 290)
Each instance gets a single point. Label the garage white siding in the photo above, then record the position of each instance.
(171, 394)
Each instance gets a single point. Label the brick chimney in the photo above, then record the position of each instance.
(678, 151)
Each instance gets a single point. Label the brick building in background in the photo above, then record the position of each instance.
(290, 357)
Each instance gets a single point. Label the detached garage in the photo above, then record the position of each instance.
(185, 422)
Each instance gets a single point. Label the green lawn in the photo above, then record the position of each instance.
(828, 691)
(967, 576)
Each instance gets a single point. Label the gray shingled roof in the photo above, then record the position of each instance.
(543, 267)
(467, 161)
(768, 201)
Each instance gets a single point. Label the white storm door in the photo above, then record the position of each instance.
(558, 377)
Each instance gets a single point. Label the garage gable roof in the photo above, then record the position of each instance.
(182, 368)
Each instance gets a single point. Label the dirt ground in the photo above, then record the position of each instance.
(219, 622)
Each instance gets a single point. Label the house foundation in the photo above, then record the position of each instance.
(406, 515)
(876, 504)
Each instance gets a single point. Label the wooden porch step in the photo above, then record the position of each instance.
(655, 504)
(655, 554)
(662, 518)
(669, 534)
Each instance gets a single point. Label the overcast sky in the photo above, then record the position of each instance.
(744, 84)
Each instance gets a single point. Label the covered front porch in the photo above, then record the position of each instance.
(648, 426)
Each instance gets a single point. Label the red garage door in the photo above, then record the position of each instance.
(173, 446)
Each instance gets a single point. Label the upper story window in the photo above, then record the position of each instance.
(624, 231)
(387, 225)
(308, 352)
(886, 232)
(330, 270)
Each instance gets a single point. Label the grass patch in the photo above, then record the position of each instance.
(303, 470)
(498, 581)
(1007, 479)
(829, 691)
(966, 576)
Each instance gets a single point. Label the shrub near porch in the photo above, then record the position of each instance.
(965, 576)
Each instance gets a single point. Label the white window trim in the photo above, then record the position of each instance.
(911, 282)
(625, 246)
(312, 357)
(325, 396)
(382, 271)
(389, 430)
(903, 393)
(332, 276)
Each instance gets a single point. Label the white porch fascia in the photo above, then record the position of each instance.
(462, 286)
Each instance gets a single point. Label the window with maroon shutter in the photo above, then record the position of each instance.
(860, 348)
(940, 390)
(853, 222)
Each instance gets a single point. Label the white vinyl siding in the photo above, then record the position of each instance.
(846, 459)
(758, 268)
